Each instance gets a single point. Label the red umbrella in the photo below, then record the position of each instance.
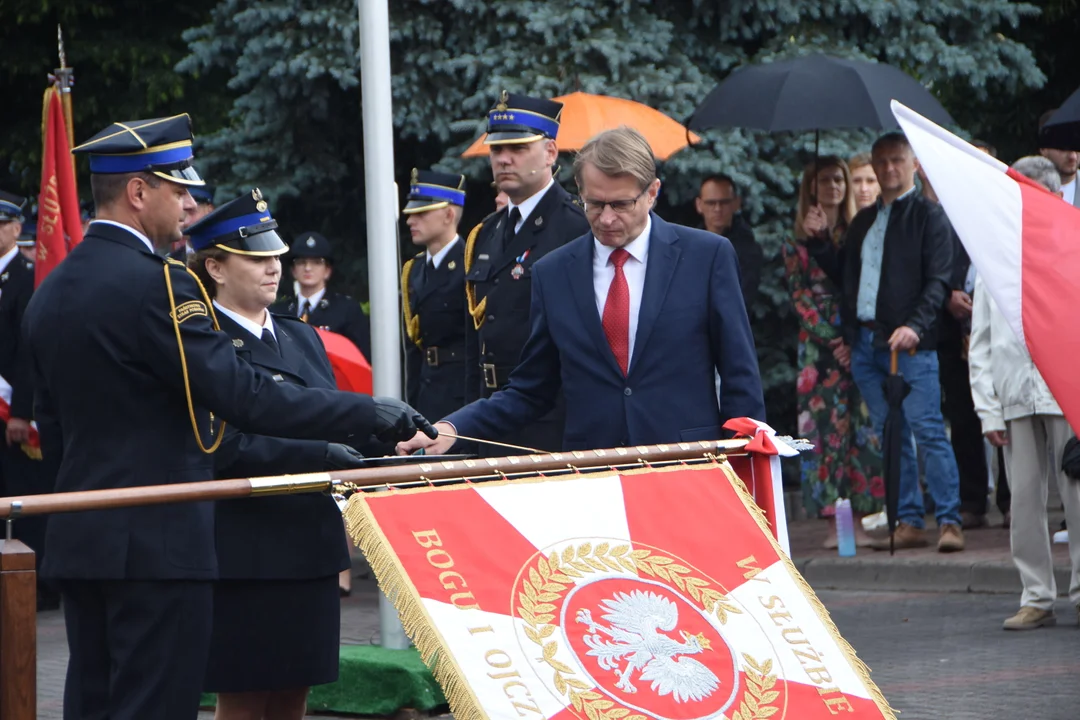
(352, 371)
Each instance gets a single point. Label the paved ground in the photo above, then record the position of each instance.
(934, 654)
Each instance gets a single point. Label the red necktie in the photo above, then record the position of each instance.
(617, 312)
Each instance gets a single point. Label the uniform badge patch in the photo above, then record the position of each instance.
(237, 343)
(190, 309)
(452, 265)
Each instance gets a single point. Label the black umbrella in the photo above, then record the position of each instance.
(1062, 130)
(814, 92)
(892, 441)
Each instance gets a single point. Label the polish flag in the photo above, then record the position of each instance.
(1024, 242)
(648, 594)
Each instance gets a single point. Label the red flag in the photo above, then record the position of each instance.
(59, 225)
(1024, 242)
(351, 369)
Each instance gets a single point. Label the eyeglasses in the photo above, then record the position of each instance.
(718, 203)
(595, 208)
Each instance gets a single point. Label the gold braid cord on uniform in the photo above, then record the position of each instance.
(412, 322)
(183, 358)
(476, 310)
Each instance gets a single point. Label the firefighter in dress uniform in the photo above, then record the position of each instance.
(22, 471)
(132, 383)
(312, 266)
(433, 294)
(500, 252)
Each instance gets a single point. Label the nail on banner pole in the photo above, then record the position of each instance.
(382, 201)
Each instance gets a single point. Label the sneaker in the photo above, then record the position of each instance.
(971, 521)
(1030, 618)
(1061, 537)
(950, 538)
(905, 537)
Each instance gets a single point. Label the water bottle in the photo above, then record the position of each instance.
(845, 528)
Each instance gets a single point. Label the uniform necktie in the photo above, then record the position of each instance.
(616, 319)
(269, 339)
(305, 309)
(511, 223)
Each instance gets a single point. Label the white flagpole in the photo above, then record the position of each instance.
(382, 201)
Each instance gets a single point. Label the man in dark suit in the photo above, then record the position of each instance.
(632, 321)
(718, 203)
(311, 301)
(433, 294)
(132, 382)
(501, 251)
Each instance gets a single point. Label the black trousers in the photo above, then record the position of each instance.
(138, 648)
(23, 475)
(959, 411)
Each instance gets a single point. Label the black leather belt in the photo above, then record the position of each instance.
(436, 356)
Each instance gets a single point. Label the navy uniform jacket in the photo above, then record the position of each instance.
(290, 536)
(336, 313)
(434, 301)
(500, 303)
(692, 322)
(110, 393)
(16, 287)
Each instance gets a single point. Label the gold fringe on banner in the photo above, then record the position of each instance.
(845, 647)
(394, 581)
(464, 705)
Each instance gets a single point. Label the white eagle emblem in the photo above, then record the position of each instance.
(636, 620)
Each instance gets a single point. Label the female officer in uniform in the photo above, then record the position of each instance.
(276, 607)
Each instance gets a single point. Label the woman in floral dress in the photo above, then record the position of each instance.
(846, 460)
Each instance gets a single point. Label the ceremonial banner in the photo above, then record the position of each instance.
(59, 222)
(655, 593)
(1024, 242)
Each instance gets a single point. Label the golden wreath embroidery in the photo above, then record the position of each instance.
(551, 577)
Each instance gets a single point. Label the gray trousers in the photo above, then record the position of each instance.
(1033, 457)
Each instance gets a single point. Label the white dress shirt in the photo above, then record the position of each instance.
(1068, 192)
(437, 258)
(7, 257)
(527, 206)
(633, 269)
(253, 328)
(312, 302)
(133, 231)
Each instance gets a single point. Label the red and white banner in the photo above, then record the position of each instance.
(59, 222)
(1023, 241)
(653, 593)
(31, 447)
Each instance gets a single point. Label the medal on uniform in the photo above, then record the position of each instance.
(519, 270)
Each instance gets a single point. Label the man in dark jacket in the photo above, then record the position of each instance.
(895, 273)
(312, 302)
(718, 203)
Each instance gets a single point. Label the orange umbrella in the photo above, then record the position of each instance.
(585, 115)
(351, 369)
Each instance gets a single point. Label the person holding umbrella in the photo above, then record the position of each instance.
(895, 271)
(846, 461)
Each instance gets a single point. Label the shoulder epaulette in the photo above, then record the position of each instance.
(476, 310)
(412, 322)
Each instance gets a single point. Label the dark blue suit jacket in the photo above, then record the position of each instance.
(288, 537)
(692, 322)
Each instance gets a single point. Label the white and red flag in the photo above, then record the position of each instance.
(1023, 241)
(656, 593)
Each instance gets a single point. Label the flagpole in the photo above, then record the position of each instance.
(382, 203)
(65, 78)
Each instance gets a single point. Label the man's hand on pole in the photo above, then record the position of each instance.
(437, 444)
